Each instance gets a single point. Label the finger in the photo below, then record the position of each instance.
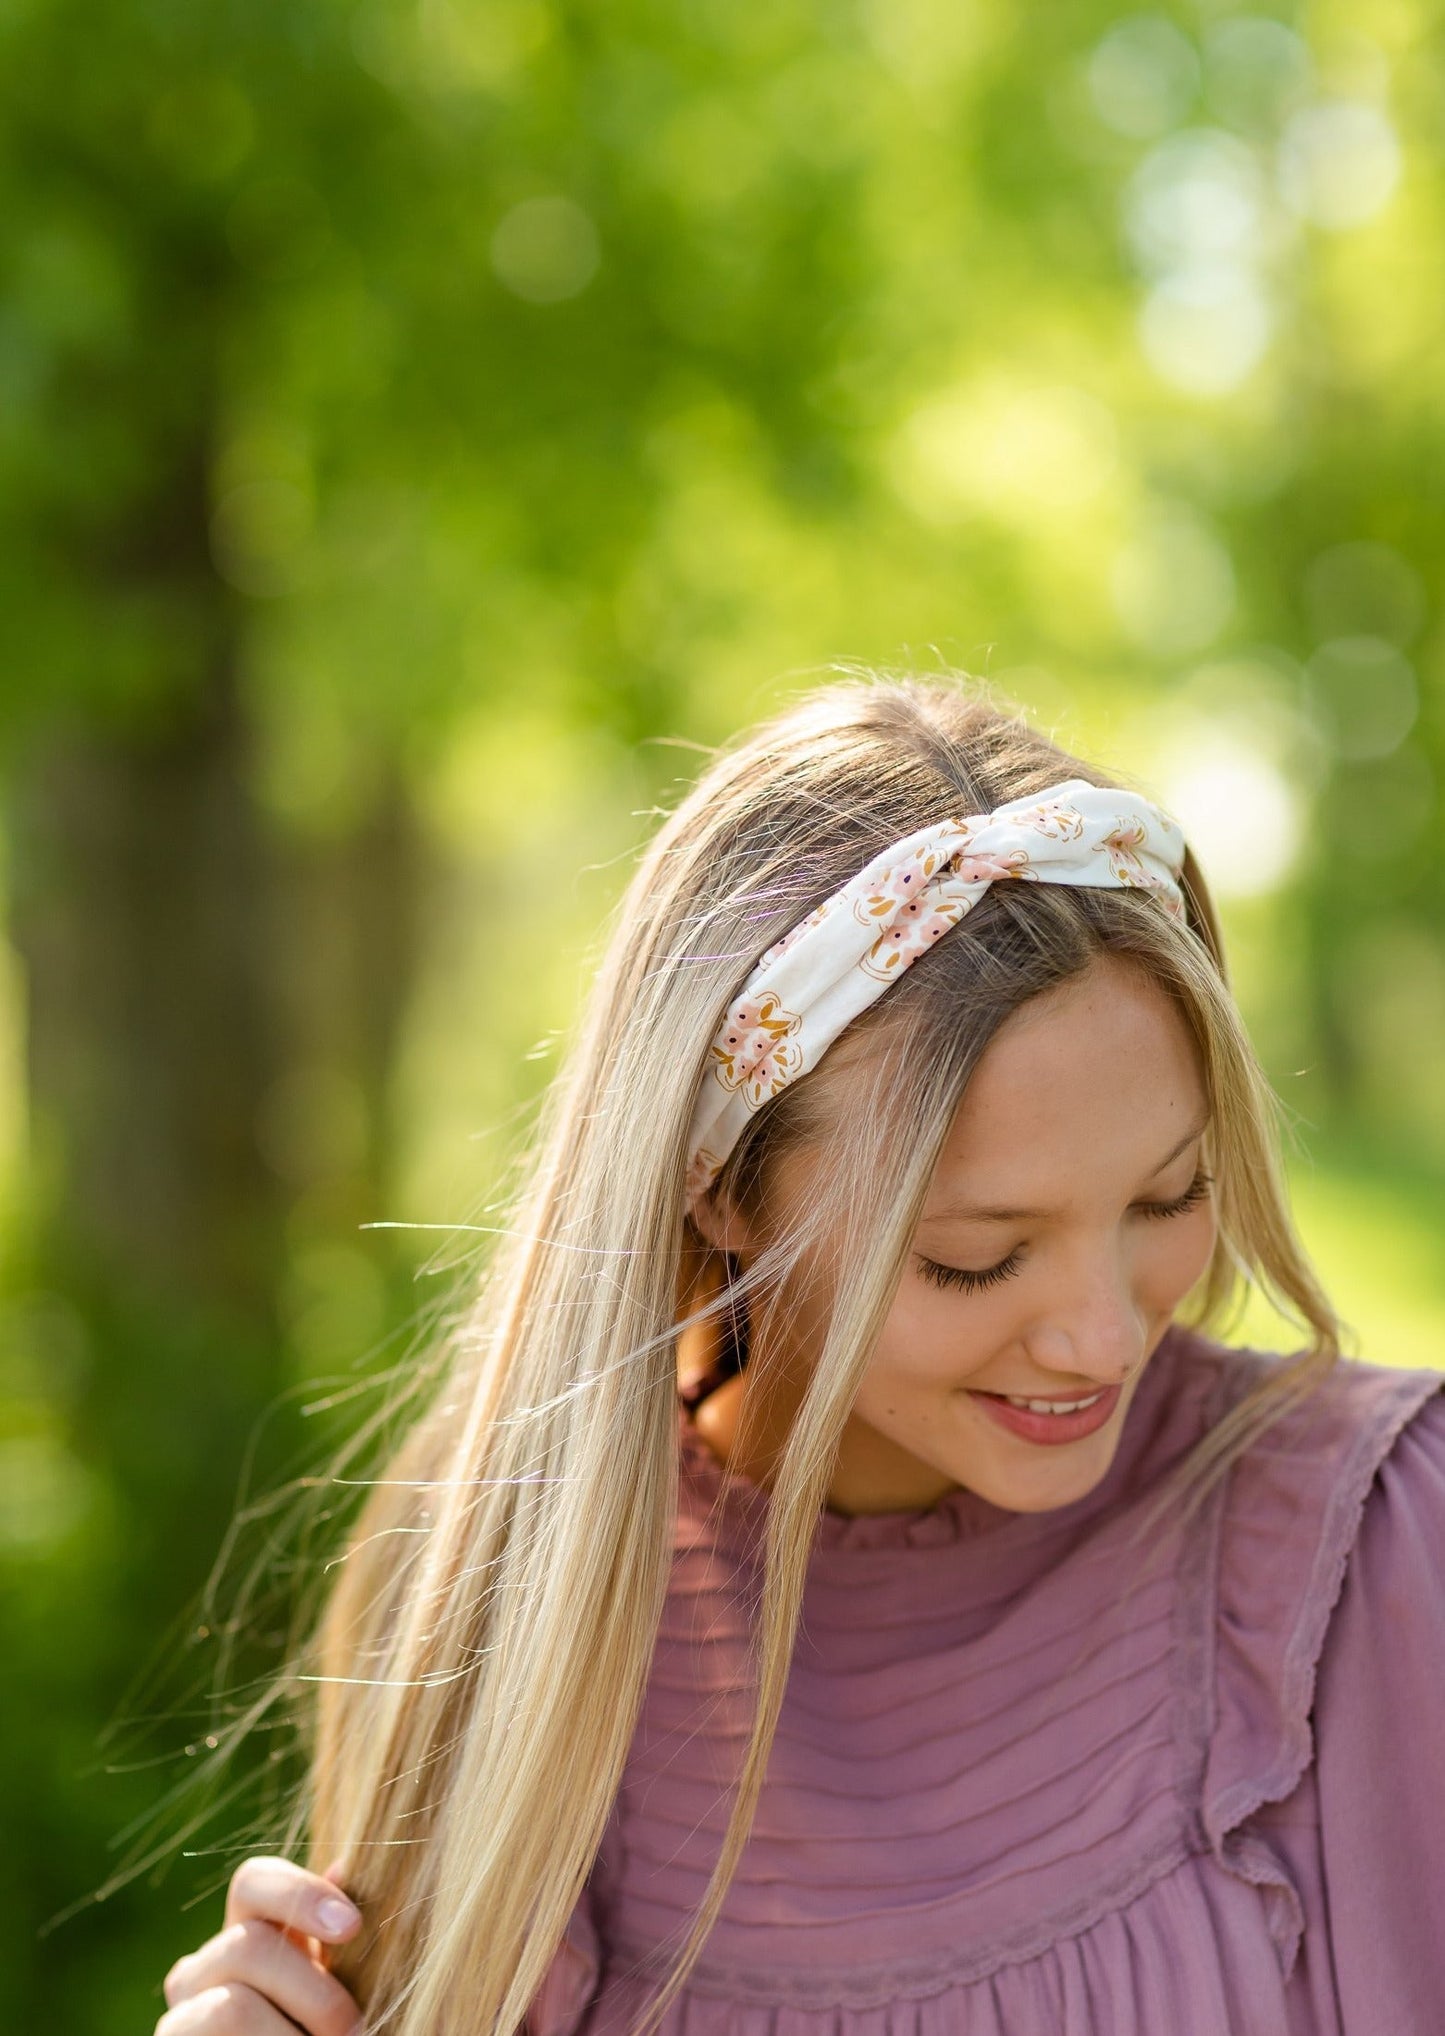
(313, 1946)
(278, 1891)
(255, 1955)
(225, 2011)
(336, 1872)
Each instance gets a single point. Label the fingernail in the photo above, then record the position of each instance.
(336, 1913)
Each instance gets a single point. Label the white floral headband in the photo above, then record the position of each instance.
(833, 964)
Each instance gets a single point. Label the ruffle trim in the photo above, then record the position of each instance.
(884, 1984)
(1309, 1478)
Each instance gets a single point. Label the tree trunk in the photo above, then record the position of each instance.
(144, 910)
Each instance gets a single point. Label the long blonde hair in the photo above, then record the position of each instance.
(481, 1662)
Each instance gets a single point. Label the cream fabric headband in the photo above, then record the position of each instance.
(838, 960)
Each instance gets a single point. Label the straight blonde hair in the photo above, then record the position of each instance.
(481, 1661)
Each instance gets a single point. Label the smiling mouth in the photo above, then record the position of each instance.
(1051, 1405)
(1035, 1418)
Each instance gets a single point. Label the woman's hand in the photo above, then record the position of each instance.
(264, 1971)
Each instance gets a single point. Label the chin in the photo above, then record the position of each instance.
(1070, 1473)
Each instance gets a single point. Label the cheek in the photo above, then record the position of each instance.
(1173, 1260)
(934, 1339)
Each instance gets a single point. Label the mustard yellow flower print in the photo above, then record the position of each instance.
(757, 1051)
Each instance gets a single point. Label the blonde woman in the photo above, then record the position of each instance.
(842, 1586)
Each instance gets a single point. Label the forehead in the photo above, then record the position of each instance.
(1102, 1072)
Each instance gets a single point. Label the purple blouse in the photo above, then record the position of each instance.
(1036, 1776)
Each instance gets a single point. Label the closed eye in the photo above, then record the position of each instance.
(972, 1281)
(1196, 1191)
(962, 1276)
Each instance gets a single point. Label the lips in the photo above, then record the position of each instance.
(1053, 1420)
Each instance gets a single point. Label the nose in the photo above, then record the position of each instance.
(1096, 1330)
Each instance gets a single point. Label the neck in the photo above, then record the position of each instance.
(871, 1475)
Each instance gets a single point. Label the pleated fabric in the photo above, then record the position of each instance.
(1036, 1773)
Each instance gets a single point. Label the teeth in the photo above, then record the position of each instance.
(1054, 1406)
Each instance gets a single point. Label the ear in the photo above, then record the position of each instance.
(720, 1223)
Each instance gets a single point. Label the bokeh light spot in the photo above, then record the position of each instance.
(1143, 75)
(45, 1493)
(1197, 198)
(202, 128)
(257, 532)
(1365, 693)
(1255, 72)
(1239, 812)
(1339, 163)
(1007, 450)
(1173, 584)
(1205, 330)
(545, 250)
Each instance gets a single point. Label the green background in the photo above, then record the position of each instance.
(422, 422)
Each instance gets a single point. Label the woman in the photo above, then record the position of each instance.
(841, 1585)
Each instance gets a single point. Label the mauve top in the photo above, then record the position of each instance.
(1032, 1779)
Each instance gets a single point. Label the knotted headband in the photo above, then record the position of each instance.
(838, 960)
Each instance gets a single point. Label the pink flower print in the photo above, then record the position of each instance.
(1121, 845)
(902, 885)
(755, 1050)
(1054, 817)
(915, 928)
(983, 869)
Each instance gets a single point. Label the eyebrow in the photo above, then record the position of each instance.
(972, 1212)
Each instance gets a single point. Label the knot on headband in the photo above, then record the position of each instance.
(841, 958)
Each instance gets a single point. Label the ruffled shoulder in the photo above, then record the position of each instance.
(1379, 1780)
(1290, 1516)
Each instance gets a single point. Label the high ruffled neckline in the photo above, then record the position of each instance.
(960, 1514)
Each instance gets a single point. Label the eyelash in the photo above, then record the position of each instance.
(974, 1282)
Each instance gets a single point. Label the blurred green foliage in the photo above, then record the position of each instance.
(412, 409)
